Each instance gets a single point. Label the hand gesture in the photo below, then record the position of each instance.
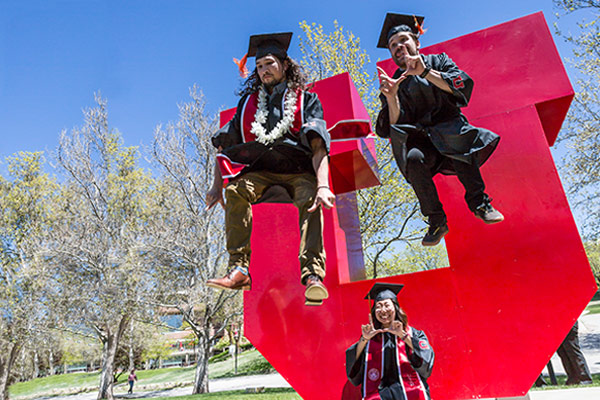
(389, 86)
(414, 65)
(214, 196)
(368, 330)
(397, 328)
(324, 197)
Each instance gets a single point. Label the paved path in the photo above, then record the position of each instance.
(589, 339)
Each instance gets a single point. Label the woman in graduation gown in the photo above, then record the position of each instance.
(392, 360)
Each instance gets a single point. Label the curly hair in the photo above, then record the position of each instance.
(294, 75)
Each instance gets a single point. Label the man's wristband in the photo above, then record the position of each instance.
(425, 72)
(322, 187)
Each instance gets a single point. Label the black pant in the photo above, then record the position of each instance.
(572, 358)
(421, 163)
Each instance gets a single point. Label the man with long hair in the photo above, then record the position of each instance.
(421, 115)
(277, 138)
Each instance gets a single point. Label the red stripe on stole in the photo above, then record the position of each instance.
(251, 106)
(410, 379)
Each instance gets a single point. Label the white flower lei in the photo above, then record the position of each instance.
(260, 117)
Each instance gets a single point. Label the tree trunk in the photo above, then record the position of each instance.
(201, 375)
(131, 359)
(109, 352)
(6, 363)
(51, 363)
(36, 364)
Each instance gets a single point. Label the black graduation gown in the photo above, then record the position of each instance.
(427, 111)
(421, 359)
(288, 154)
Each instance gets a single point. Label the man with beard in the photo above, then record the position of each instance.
(277, 138)
(429, 134)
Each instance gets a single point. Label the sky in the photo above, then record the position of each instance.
(143, 56)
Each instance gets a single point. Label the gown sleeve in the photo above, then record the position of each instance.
(460, 83)
(382, 126)
(231, 133)
(355, 367)
(422, 357)
(314, 125)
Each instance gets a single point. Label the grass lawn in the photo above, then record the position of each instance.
(593, 308)
(561, 383)
(269, 394)
(249, 363)
(56, 382)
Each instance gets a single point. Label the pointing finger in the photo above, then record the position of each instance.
(382, 73)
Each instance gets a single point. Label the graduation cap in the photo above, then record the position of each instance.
(383, 291)
(276, 44)
(395, 23)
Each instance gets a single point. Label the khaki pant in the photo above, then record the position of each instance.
(247, 189)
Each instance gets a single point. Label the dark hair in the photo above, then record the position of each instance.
(412, 34)
(294, 75)
(400, 315)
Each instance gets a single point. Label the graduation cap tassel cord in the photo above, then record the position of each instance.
(419, 26)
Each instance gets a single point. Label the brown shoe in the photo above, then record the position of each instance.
(488, 214)
(235, 280)
(315, 292)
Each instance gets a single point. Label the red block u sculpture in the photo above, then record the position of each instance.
(512, 290)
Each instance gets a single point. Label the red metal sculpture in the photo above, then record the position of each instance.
(512, 291)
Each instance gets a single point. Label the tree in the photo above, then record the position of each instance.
(190, 240)
(26, 203)
(99, 249)
(581, 133)
(592, 249)
(388, 213)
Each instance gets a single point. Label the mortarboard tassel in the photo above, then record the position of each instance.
(242, 65)
(419, 26)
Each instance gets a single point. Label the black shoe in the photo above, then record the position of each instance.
(488, 214)
(435, 234)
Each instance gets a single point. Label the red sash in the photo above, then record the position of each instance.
(251, 105)
(229, 168)
(409, 378)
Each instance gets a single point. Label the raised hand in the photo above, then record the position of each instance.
(397, 328)
(414, 65)
(389, 86)
(368, 330)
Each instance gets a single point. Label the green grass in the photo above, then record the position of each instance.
(269, 394)
(56, 382)
(561, 379)
(593, 308)
(249, 363)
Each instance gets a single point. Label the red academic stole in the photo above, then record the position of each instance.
(229, 168)
(409, 378)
